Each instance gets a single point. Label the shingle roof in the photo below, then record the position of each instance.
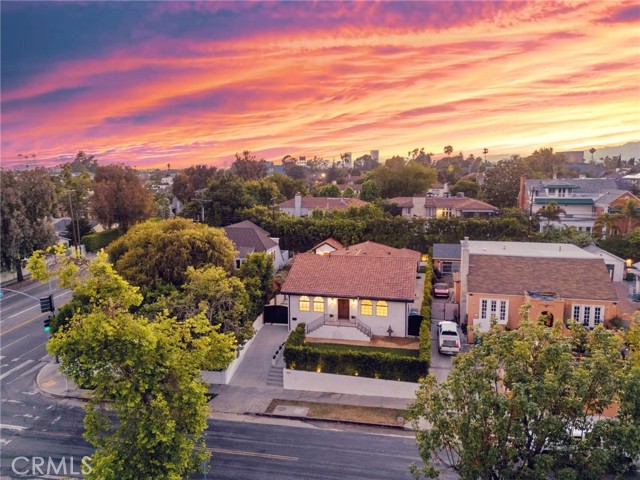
(247, 236)
(585, 186)
(325, 203)
(459, 203)
(570, 278)
(373, 249)
(352, 277)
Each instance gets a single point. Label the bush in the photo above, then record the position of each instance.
(96, 241)
(301, 356)
(425, 311)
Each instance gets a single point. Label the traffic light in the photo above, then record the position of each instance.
(47, 323)
(46, 304)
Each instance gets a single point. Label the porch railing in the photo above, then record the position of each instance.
(363, 327)
(315, 324)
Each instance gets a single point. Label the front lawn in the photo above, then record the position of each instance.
(339, 347)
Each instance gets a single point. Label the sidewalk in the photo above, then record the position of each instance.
(231, 401)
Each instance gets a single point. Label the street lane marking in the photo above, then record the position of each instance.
(9, 344)
(23, 364)
(17, 428)
(19, 325)
(31, 370)
(254, 454)
(34, 348)
(35, 306)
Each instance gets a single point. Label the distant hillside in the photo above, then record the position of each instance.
(628, 150)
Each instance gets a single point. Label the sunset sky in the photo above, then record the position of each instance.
(151, 83)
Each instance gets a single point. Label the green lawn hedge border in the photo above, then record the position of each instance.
(425, 311)
(96, 241)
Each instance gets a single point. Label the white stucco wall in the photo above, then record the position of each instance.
(326, 382)
(323, 249)
(396, 318)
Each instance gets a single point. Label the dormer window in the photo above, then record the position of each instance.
(551, 192)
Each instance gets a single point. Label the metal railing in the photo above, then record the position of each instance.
(363, 327)
(315, 324)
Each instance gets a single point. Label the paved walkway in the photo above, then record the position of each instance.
(625, 306)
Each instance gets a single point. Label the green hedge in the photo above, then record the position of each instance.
(305, 357)
(96, 241)
(425, 311)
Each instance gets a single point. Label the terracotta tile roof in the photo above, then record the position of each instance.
(570, 278)
(402, 202)
(459, 203)
(352, 277)
(373, 249)
(332, 242)
(248, 237)
(325, 203)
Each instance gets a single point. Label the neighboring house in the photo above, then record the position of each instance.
(446, 257)
(635, 290)
(616, 266)
(560, 281)
(300, 206)
(373, 249)
(326, 246)
(353, 186)
(582, 199)
(439, 189)
(350, 295)
(443, 207)
(250, 238)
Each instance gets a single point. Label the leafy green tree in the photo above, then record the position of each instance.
(27, 203)
(629, 213)
(224, 198)
(162, 205)
(264, 192)
(403, 180)
(468, 187)
(551, 211)
(624, 246)
(545, 163)
(365, 163)
(158, 252)
(187, 182)
(119, 197)
(565, 234)
(83, 163)
(420, 156)
(146, 372)
(502, 182)
(248, 167)
(330, 190)
(288, 186)
(222, 299)
(256, 273)
(369, 191)
(73, 197)
(605, 222)
(509, 406)
(448, 150)
(395, 162)
(348, 193)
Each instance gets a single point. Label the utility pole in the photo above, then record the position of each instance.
(73, 226)
(200, 199)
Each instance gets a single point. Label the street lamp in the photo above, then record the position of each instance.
(75, 226)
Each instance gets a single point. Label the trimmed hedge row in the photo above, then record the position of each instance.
(425, 311)
(96, 241)
(301, 356)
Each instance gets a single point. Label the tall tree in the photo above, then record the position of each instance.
(420, 156)
(83, 163)
(468, 187)
(606, 222)
(264, 192)
(406, 180)
(551, 212)
(145, 372)
(27, 203)
(369, 191)
(256, 273)
(545, 163)
(592, 151)
(192, 179)
(330, 190)
(224, 198)
(510, 405)
(502, 182)
(248, 167)
(73, 194)
(448, 150)
(119, 197)
(155, 252)
(288, 186)
(630, 214)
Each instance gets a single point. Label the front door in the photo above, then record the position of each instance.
(343, 308)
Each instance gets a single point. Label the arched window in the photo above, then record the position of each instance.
(366, 307)
(382, 309)
(304, 303)
(318, 304)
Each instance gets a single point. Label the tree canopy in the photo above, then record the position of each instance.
(398, 180)
(502, 182)
(192, 179)
(160, 251)
(248, 167)
(510, 406)
(119, 197)
(146, 372)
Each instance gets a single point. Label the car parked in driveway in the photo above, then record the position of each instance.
(448, 338)
(441, 290)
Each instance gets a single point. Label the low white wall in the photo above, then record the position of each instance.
(223, 377)
(327, 382)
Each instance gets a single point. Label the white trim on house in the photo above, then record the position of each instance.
(587, 315)
(492, 308)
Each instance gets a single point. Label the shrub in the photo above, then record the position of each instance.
(425, 311)
(96, 241)
(306, 357)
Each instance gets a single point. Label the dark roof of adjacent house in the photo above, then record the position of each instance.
(386, 278)
(332, 242)
(451, 251)
(373, 249)
(249, 238)
(324, 203)
(591, 187)
(570, 278)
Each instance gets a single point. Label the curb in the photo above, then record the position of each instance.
(333, 420)
(78, 394)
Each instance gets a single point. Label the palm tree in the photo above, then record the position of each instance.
(629, 212)
(551, 212)
(606, 222)
(448, 150)
(485, 151)
(592, 151)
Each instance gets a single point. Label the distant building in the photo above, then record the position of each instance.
(249, 238)
(375, 155)
(300, 206)
(443, 207)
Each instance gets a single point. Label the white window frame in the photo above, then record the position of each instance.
(588, 315)
(304, 303)
(494, 308)
(318, 304)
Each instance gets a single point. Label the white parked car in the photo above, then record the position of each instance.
(448, 338)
